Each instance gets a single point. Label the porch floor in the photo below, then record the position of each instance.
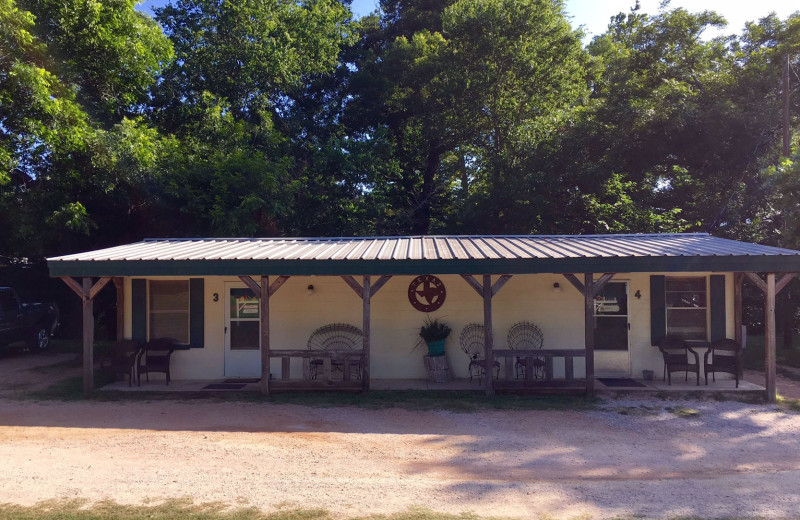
(678, 385)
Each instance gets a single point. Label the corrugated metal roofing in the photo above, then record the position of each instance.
(398, 255)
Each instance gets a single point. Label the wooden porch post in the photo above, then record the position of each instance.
(366, 297)
(365, 291)
(589, 288)
(264, 299)
(769, 338)
(487, 291)
(488, 335)
(738, 278)
(88, 338)
(770, 290)
(119, 285)
(86, 292)
(588, 327)
(737, 307)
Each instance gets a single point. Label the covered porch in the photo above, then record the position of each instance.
(484, 264)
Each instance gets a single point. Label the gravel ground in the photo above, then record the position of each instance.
(645, 457)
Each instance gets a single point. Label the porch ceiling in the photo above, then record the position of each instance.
(517, 254)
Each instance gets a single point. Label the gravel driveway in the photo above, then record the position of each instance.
(632, 458)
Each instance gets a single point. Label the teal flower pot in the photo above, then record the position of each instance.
(436, 348)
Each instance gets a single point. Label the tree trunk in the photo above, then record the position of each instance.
(421, 222)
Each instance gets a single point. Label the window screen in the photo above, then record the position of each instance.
(169, 310)
(686, 300)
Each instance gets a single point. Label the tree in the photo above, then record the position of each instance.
(244, 95)
(458, 88)
(60, 111)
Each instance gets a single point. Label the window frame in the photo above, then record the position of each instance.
(187, 311)
(706, 309)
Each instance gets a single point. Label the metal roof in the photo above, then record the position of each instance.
(428, 254)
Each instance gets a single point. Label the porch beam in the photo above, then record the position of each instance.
(277, 284)
(366, 298)
(88, 338)
(601, 282)
(488, 336)
(783, 282)
(757, 281)
(571, 278)
(377, 285)
(500, 283)
(473, 283)
(72, 284)
(98, 286)
(252, 285)
(349, 280)
(119, 286)
(769, 338)
(265, 347)
(588, 325)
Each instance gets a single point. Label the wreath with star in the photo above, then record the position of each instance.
(426, 293)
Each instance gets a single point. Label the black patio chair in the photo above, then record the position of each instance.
(677, 358)
(725, 357)
(154, 356)
(122, 360)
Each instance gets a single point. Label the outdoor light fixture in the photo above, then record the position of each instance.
(556, 287)
(310, 289)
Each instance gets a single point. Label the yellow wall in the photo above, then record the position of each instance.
(295, 314)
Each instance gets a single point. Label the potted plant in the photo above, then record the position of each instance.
(433, 332)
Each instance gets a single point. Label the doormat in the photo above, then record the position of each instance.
(617, 382)
(224, 386)
(243, 380)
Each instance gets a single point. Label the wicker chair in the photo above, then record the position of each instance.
(527, 336)
(154, 356)
(725, 357)
(472, 341)
(677, 358)
(122, 360)
(336, 336)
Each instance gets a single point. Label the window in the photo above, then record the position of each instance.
(169, 310)
(686, 303)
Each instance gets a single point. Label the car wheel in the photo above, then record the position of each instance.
(40, 339)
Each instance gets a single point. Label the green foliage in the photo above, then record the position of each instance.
(434, 329)
(69, 72)
(460, 94)
(265, 117)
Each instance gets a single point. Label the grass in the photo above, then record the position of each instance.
(55, 368)
(185, 509)
(71, 389)
(683, 412)
(753, 354)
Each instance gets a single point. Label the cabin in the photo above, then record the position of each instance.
(246, 307)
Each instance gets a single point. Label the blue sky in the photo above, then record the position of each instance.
(594, 15)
